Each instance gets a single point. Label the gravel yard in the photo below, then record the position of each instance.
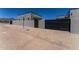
(14, 37)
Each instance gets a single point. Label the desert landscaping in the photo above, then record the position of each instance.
(14, 37)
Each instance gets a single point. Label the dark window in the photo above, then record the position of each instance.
(28, 18)
(36, 23)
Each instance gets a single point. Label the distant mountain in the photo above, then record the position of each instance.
(7, 19)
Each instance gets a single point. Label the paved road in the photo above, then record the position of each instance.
(14, 37)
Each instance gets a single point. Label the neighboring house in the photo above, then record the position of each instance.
(31, 20)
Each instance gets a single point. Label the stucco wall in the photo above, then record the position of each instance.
(74, 16)
(42, 24)
(29, 23)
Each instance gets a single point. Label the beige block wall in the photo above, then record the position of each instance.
(42, 24)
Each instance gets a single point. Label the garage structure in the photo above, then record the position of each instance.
(30, 19)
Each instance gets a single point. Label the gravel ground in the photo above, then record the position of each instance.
(14, 37)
